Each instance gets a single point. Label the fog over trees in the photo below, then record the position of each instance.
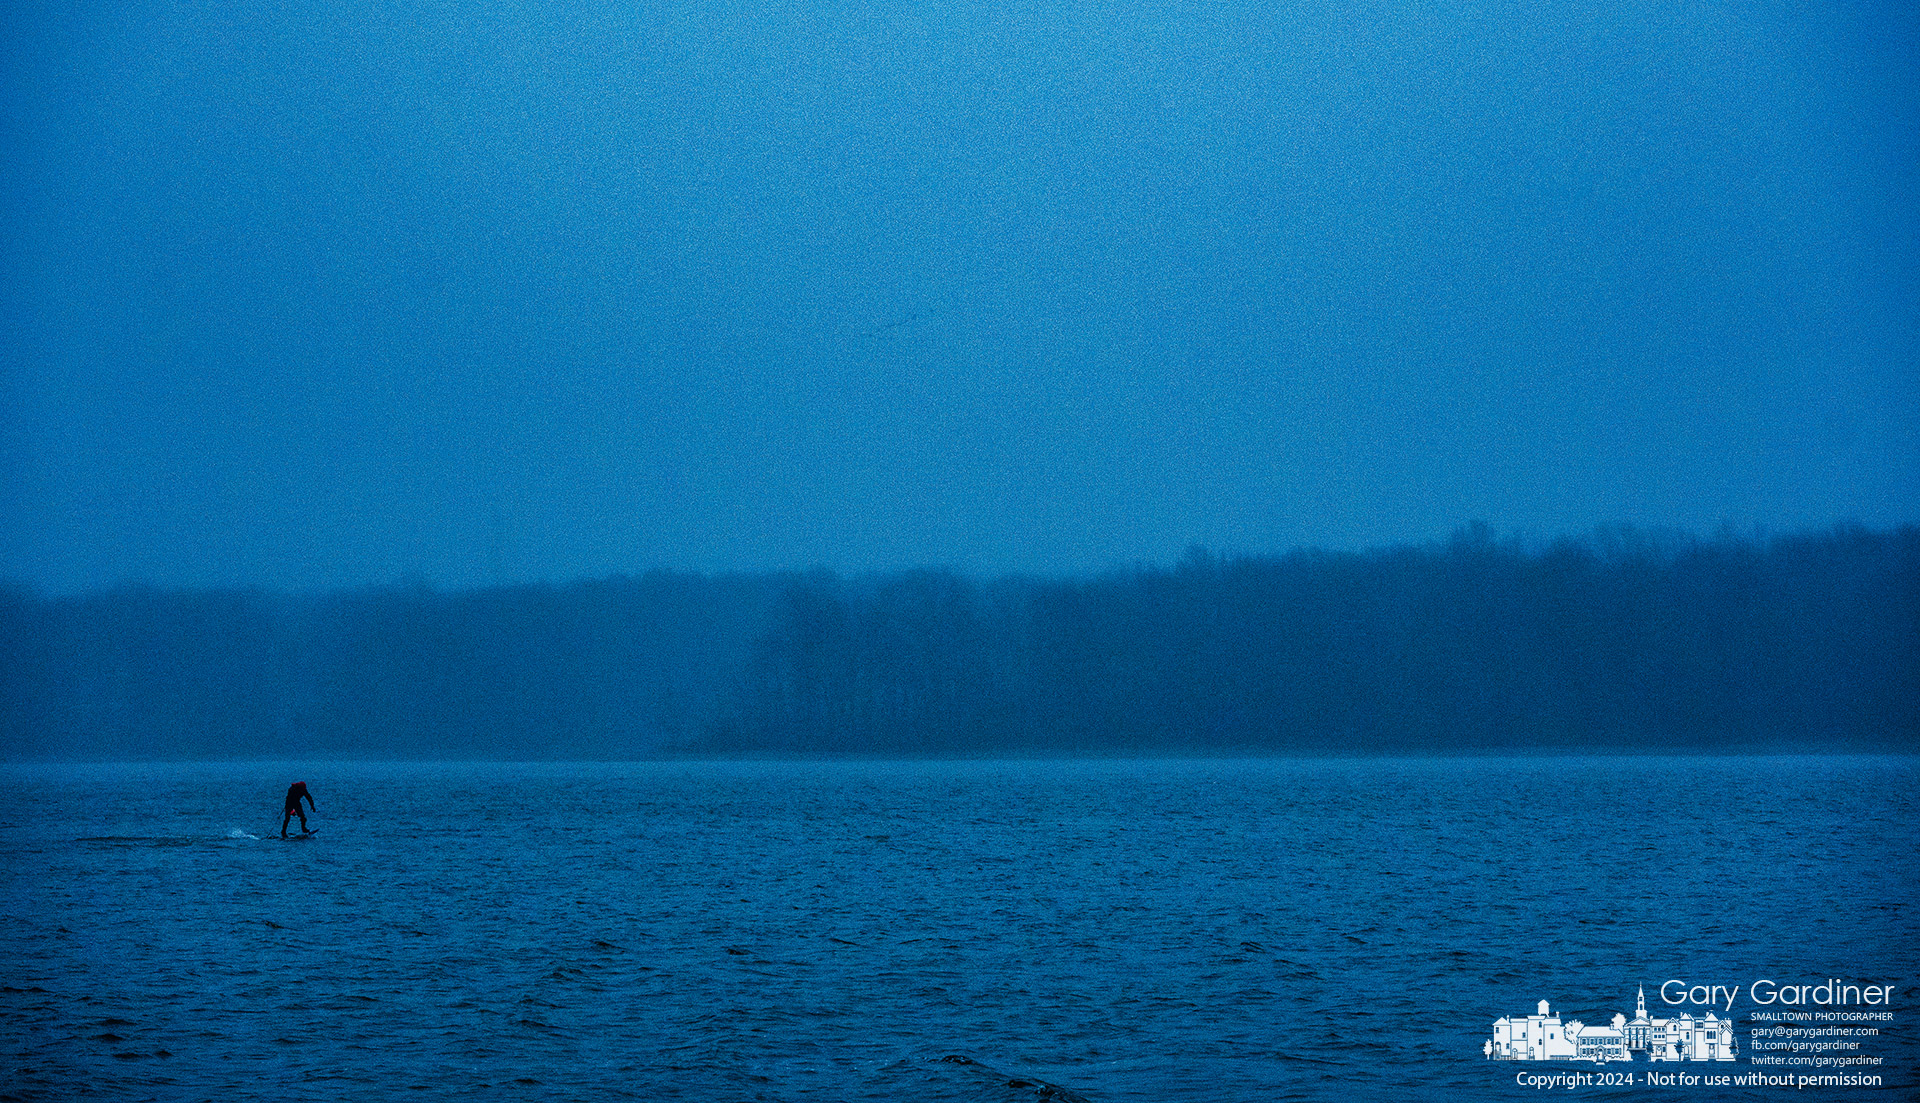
(1618, 641)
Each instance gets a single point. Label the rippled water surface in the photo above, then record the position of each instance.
(1186, 930)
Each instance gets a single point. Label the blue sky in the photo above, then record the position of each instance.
(305, 295)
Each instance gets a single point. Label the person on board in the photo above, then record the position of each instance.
(294, 794)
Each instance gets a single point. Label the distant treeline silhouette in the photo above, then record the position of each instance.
(607, 668)
(1622, 641)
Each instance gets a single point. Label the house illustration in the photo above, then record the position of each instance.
(1544, 1036)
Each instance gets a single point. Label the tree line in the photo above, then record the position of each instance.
(606, 668)
(1620, 641)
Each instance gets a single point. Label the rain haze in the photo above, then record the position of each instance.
(311, 296)
(971, 552)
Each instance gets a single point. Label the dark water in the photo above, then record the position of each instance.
(1204, 930)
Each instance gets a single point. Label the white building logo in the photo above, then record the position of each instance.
(1542, 1036)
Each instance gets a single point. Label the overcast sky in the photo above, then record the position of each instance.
(298, 294)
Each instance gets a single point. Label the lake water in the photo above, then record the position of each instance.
(1108, 930)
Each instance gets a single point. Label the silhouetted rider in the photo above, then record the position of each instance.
(295, 792)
